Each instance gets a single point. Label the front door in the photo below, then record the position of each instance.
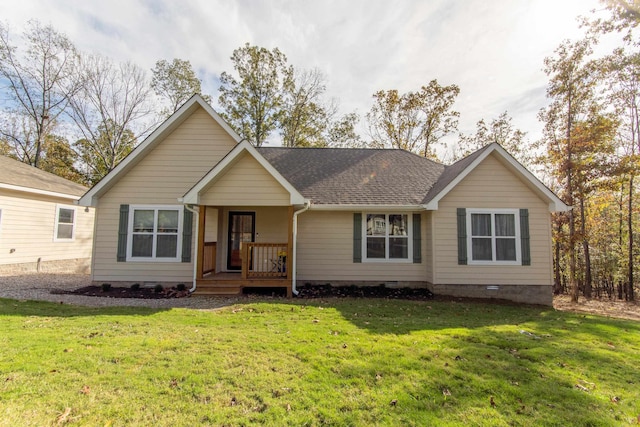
(241, 229)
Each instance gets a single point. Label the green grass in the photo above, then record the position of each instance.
(316, 362)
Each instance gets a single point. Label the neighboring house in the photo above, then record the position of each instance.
(194, 204)
(41, 226)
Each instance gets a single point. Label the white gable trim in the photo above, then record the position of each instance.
(555, 203)
(90, 198)
(193, 195)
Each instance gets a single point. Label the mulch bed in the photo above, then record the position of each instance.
(122, 292)
(306, 291)
(325, 291)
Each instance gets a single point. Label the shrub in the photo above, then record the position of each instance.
(181, 287)
(158, 288)
(106, 287)
(135, 286)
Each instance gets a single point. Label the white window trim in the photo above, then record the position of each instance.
(74, 224)
(409, 259)
(516, 214)
(132, 209)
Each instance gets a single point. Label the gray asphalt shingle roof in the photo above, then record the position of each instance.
(16, 173)
(355, 176)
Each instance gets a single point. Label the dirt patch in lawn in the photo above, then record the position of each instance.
(601, 307)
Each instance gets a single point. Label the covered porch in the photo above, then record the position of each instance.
(243, 247)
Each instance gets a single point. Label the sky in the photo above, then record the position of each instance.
(492, 49)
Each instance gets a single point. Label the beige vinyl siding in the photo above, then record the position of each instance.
(491, 185)
(28, 227)
(160, 178)
(325, 252)
(272, 226)
(246, 183)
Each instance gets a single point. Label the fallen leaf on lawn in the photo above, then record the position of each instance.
(492, 402)
(62, 418)
(85, 389)
(316, 321)
(378, 377)
(446, 392)
(288, 407)
(344, 346)
(615, 399)
(68, 350)
(394, 402)
(174, 383)
(581, 387)
(233, 401)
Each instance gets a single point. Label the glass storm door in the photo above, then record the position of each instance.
(241, 229)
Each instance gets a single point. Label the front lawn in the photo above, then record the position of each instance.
(316, 362)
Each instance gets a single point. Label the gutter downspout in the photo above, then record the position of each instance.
(307, 205)
(196, 213)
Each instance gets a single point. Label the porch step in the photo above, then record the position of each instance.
(218, 290)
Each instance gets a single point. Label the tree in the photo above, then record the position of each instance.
(101, 155)
(571, 90)
(414, 121)
(40, 81)
(342, 132)
(501, 131)
(110, 112)
(60, 159)
(303, 119)
(252, 102)
(175, 82)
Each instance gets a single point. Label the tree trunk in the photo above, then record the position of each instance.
(629, 293)
(556, 261)
(585, 247)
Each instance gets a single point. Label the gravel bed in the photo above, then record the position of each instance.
(47, 287)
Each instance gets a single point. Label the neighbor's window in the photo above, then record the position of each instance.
(493, 236)
(387, 237)
(154, 233)
(65, 223)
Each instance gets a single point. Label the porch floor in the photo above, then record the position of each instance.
(232, 283)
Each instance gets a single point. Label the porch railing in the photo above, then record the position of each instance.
(264, 260)
(208, 257)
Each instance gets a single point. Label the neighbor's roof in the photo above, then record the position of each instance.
(19, 176)
(352, 176)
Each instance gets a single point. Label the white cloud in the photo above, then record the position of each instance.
(492, 49)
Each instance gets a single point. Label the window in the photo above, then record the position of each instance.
(493, 236)
(155, 233)
(65, 224)
(387, 237)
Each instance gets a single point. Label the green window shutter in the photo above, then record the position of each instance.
(123, 229)
(357, 237)
(524, 237)
(417, 239)
(187, 233)
(462, 236)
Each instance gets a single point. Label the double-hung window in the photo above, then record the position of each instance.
(387, 237)
(155, 233)
(494, 236)
(65, 223)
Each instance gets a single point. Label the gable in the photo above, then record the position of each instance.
(173, 157)
(246, 183)
(459, 171)
(175, 163)
(491, 184)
